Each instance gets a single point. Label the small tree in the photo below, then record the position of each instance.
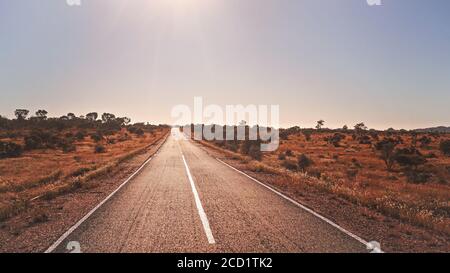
(410, 158)
(360, 127)
(126, 120)
(320, 124)
(386, 147)
(41, 114)
(303, 162)
(71, 116)
(21, 114)
(92, 116)
(107, 117)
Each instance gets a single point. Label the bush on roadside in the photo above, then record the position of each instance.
(445, 147)
(410, 158)
(41, 140)
(255, 152)
(68, 146)
(335, 139)
(100, 149)
(288, 153)
(97, 137)
(289, 164)
(10, 149)
(80, 135)
(303, 162)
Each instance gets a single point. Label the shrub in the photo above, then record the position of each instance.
(41, 140)
(352, 173)
(99, 149)
(445, 147)
(410, 158)
(232, 146)
(33, 142)
(335, 139)
(97, 137)
(307, 135)
(68, 146)
(289, 164)
(356, 163)
(245, 147)
(136, 130)
(123, 137)
(80, 171)
(364, 139)
(386, 148)
(425, 141)
(417, 177)
(314, 172)
(10, 149)
(281, 156)
(80, 135)
(289, 153)
(255, 152)
(303, 162)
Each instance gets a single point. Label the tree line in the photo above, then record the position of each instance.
(43, 132)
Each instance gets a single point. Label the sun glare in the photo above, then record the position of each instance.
(185, 6)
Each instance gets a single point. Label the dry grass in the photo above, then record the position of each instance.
(356, 173)
(49, 173)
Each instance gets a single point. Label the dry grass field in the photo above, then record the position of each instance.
(415, 190)
(48, 172)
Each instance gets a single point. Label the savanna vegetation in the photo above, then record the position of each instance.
(43, 157)
(402, 174)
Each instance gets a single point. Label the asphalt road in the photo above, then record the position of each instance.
(184, 200)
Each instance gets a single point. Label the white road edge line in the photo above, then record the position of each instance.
(359, 239)
(74, 227)
(198, 203)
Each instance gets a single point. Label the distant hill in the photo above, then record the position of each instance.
(439, 129)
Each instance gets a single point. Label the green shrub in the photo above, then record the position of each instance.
(303, 162)
(97, 137)
(10, 149)
(445, 147)
(289, 164)
(255, 152)
(100, 149)
(80, 135)
(38, 139)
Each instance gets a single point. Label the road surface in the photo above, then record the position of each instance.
(184, 200)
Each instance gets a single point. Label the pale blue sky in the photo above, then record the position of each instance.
(338, 60)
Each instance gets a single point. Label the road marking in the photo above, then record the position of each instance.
(359, 239)
(74, 227)
(198, 203)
